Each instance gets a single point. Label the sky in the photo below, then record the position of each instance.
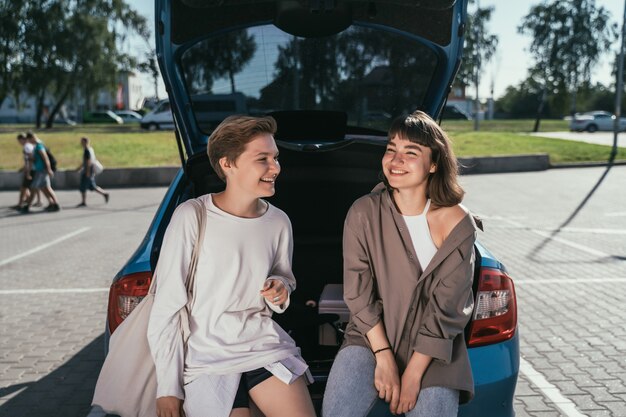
(508, 67)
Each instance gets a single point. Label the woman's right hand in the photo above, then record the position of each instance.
(386, 378)
(168, 407)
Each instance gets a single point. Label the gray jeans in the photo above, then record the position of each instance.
(350, 390)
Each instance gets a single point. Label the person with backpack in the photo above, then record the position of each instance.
(88, 173)
(44, 170)
(27, 173)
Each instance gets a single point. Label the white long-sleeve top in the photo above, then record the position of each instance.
(230, 322)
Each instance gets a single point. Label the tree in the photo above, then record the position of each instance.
(479, 46)
(569, 36)
(229, 54)
(149, 66)
(65, 46)
(520, 102)
(12, 32)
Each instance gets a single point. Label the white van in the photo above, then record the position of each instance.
(209, 109)
(159, 118)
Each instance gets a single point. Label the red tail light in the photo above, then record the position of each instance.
(495, 312)
(124, 296)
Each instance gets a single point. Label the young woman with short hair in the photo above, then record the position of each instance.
(235, 352)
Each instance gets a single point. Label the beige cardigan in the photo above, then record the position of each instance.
(422, 310)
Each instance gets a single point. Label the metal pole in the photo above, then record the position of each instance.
(619, 88)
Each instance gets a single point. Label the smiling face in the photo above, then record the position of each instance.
(255, 171)
(406, 164)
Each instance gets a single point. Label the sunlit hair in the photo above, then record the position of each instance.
(230, 138)
(21, 136)
(85, 139)
(443, 187)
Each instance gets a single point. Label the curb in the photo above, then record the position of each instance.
(503, 164)
(585, 164)
(162, 176)
(110, 178)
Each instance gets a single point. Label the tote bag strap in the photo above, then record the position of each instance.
(191, 274)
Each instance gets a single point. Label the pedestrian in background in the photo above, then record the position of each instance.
(88, 173)
(27, 172)
(41, 178)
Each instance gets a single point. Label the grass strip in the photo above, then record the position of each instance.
(129, 146)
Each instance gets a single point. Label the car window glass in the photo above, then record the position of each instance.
(371, 74)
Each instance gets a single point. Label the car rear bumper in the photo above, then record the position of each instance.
(494, 385)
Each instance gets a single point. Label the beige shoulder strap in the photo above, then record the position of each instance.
(191, 274)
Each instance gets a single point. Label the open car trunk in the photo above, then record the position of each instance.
(315, 189)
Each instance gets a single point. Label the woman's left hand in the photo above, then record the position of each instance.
(274, 292)
(409, 390)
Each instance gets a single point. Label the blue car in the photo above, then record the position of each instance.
(320, 69)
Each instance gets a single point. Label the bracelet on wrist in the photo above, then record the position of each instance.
(380, 350)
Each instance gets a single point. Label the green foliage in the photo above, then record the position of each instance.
(11, 34)
(503, 143)
(123, 146)
(57, 47)
(503, 125)
(568, 38)
(227, 57)
(115, 146)
(521, 101)
(479, 45)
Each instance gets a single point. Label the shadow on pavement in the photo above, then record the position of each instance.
(66, 391)
(572, 216)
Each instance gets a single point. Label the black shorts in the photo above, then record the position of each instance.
(248, 381)
(26, 182)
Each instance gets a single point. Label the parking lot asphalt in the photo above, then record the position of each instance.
(561, 234)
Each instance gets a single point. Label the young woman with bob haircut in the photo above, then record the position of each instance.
(408, 271)
(235, 351)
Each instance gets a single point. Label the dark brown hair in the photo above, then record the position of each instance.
(230, 138)
(418, 127)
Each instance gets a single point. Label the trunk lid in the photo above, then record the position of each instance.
(366, 62)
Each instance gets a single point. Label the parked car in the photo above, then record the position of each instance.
(324, 152)
(595, 120)
(129, 116)
(102, 117)
(209, 110)
(159, 118)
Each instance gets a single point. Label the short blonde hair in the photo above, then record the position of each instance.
(230, 138)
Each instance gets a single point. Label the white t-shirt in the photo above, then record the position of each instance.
(419, 230)
(27, 151)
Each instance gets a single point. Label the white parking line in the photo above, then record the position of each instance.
(616, 214)
(567, 281)
(53, 291)
(593, 231)
(566, 242)
(550, 391)
(44, 246)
